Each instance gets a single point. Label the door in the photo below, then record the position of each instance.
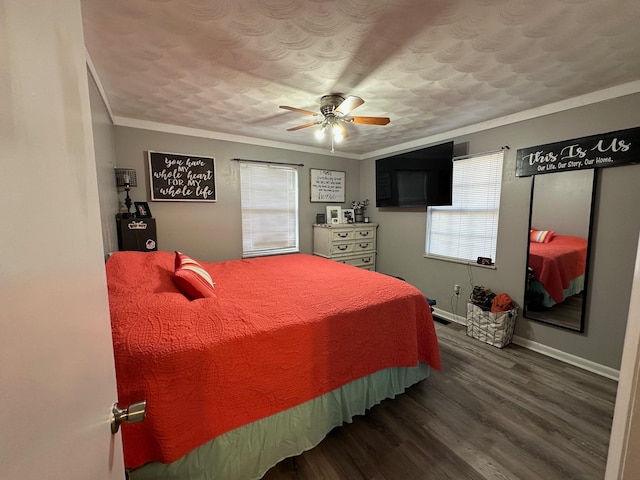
(57, 381)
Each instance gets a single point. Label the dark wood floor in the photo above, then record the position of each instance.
(508, 414)
(567, 313)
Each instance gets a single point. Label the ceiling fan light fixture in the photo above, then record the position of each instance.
(335, 110)
(337, 132)
(320, 133)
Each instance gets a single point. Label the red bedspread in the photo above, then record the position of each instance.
(558, 262)
(279, 331)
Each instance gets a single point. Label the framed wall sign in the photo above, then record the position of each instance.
(611, 149)
(327, 186)
(175, 177)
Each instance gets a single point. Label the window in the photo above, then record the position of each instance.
(468, 229)
(269, 201)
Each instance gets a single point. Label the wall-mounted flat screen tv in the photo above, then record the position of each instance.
(415, 179)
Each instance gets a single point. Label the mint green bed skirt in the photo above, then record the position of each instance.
(249, 451)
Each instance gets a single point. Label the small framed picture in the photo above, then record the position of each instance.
(334, 212)
(321, 218)
(348, 216)
(142, 210)
(335, 221)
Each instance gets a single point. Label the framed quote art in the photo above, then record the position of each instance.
(327, 186)
(182, 178)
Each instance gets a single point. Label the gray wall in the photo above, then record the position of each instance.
(401, 234)
(104, 148)
(213, 231)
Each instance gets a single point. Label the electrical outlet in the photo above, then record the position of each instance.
(456, 290)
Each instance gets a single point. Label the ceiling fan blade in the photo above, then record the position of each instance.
(310, 124)
(349, 104)
(299, 110)
(369, 120)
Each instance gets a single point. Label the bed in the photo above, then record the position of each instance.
(558, 268)
(285, 349)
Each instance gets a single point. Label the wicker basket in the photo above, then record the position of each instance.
(493, 328)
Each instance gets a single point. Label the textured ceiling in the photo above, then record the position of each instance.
(430, 65)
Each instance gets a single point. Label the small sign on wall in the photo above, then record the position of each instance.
(182, 178)
(597, 151)
(327, 186)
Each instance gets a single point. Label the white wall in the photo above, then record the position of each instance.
(57, 379)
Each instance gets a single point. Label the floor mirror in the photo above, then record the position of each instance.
(558, 248)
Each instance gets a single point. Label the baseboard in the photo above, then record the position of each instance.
(449, 316)
(565, 357)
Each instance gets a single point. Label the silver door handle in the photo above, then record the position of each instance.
(134, 414)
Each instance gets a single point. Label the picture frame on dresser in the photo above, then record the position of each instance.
(348, 215)
(142, 210)
(334, 212)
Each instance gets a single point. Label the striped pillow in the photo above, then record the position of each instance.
(542, 236)
(191, 278)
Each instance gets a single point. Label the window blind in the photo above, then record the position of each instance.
(468, 229)
(269, 204)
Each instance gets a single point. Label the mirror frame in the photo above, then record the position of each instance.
(531, 315)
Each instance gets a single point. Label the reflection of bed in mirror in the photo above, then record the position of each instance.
(557, 261)
(557, 270)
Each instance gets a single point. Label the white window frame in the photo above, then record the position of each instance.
(269, 206)
(468, 229)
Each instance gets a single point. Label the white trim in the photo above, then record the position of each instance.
(450, 316)
(458, 260)
(94, 73)
(575, 102)
(565, 357)
(228, 137)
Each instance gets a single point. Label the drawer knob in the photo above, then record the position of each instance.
(364, 245)
(364, 234)
(342, 247)
(366, 260)
(343, 234)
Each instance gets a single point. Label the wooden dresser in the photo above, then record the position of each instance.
(353, 244)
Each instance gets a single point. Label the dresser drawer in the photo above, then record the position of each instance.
(364, 232)
(352, 244)
(339, 235)
(364, 245)
(361, 260)
(341, 248)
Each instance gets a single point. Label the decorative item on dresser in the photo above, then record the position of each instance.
(353, 244)
(126, 178)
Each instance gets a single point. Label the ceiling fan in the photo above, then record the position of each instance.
(334, 113)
